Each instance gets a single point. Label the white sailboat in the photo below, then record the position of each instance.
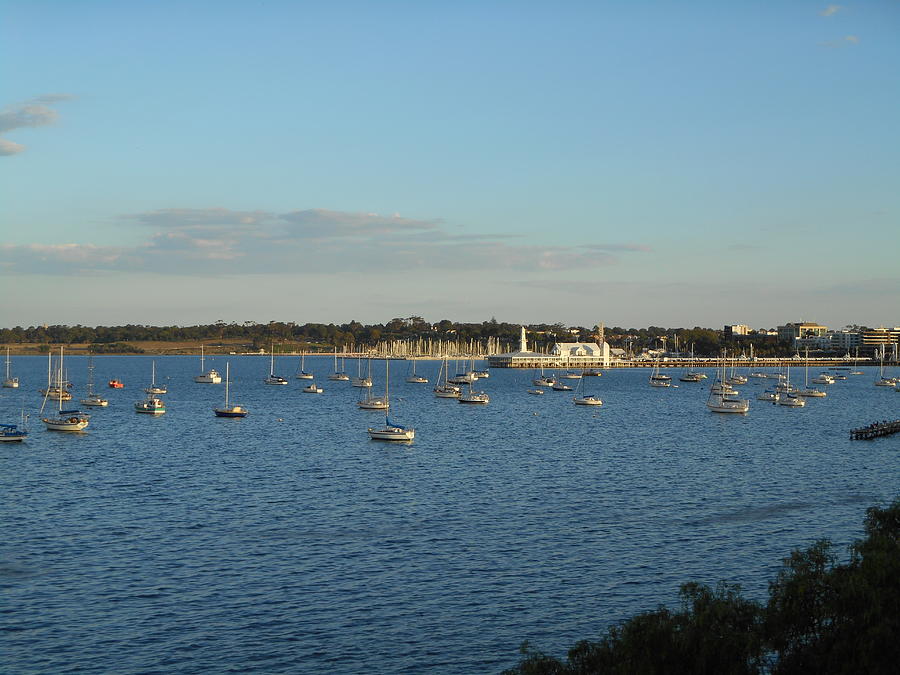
(720, 400)
(445, 389)
(472, 396)
(312, 388)
(56, 387)
(390, 431)
(584, 399)
(210, 376)
(152, 405)
(369, 400)
(302, 374)
(272, 378)
(359, 380)
(788, 395)
(807, 391)
(65, 420)
(229, 410)
(10, 382)
(338, 375)
(93, 399)
(883, 381)
(659, 380)
(155, 388)
(416, 379)
(541, 380)
(689, 375)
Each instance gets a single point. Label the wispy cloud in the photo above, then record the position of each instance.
(843, 42)
(831, 10)
(322, 223)
(620, 248)
(217, 240)
(179, 218)
(32, 113)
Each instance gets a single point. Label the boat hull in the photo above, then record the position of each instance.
(392, 434)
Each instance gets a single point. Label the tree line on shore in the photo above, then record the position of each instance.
(293, 336)
(821, 616)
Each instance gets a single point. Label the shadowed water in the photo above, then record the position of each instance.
(289, 542)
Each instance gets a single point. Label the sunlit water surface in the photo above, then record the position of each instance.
(289, 542)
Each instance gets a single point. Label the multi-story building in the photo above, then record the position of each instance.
(735, 330)
(802, 329)
(872, 339)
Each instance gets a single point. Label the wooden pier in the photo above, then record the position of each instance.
(875, 430)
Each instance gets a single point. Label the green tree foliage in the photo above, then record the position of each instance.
(821, 617)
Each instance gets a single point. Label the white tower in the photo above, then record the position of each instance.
(523, 344)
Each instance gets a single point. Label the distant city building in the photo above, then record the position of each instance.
(803, 329)
(873, 338)
(736, 330)
(845, 340)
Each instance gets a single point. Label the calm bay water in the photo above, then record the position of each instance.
(289, 542)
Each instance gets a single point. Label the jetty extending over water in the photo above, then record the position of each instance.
(875, 430)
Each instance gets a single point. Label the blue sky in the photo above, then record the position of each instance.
(634, 163)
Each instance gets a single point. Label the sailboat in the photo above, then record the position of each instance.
(359, 380)
(689, 375)
(720, 400)
(93, 399)
(56, 388)
(788, 395)
(12, 432)
(467, 377)
(445, 389)
(152, 405)
(338, 375)
(155, 388)
(369, 400)
(659, 380)
(10, 382)
(272, 377)
(542, 380)
(230, 410)
(472, 396)
(390, 431)
(584, 399)
(883, 381)
(302, 374)
(210, 376)
(807, 391)
(65, 420)
(416, 379)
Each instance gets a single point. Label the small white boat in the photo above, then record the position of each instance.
(587, 399)
(373, 403)
(12, 433)
(65, 420)
(720, 401)
(445, 389)
(536, 392)
(390, 431)
(359, 380)
(691, 377)
(570, 375)
(791, 400)
(658, 379)
(272, 378)
(313, 388)
(823, 378)
(302, 374)
(812, 393)
(416, 379)
(560, 386)
(768, 395)
(152, 405)
(229, 410)
(481, 374)
(210, 376)
(10, 382)
(155, 388)
(93, 399)
(472, 396)
(338, 375)
(592, 372)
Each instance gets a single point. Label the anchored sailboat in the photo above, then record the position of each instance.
(228, 410)
(390, 431)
